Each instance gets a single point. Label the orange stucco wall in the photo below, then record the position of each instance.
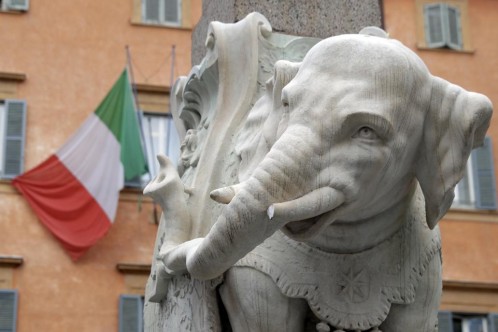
(71, 53)
(470, 248)
(56, 294)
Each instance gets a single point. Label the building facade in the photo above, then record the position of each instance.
(58, 60)
(456, 40)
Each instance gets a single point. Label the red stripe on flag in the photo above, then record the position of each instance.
(64, 206)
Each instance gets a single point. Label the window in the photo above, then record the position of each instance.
(159, 132)
(160, 136)
(477, 188)
(162, 11)
(131, 313)
(12, 133)
(14, 5)
(455, 322)
(131, 306)
(443, 25)
(8, 310)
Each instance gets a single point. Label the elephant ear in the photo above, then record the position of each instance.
(456, 122)
(276, 122)
(285, 71)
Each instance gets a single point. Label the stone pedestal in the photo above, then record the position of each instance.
(317, 18)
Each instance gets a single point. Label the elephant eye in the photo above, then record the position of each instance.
(366, 133)
(285, 98)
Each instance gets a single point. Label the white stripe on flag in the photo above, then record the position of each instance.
(92, 154)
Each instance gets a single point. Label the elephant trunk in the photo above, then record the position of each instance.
(286, 173)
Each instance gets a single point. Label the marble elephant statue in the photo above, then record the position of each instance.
(358, 161)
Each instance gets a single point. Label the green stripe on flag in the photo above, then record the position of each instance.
(117, 111)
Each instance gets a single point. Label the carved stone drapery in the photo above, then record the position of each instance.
(209, 108)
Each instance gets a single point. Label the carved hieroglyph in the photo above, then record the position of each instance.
(316, 175)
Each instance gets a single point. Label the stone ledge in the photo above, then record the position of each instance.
(11, 261)
(136, 268)
(142, 87)
(470, 285)
(160, 26)
(445, 50)
(471, 215)
(20, 77)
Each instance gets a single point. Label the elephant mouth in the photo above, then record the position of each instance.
(308, 228)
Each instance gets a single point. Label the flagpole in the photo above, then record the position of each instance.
(137, 109)
(171, 82)
(172, 71)
(132, 78)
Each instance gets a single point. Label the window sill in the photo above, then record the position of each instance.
(133, 268)
(11, 261)
(13, 12)
(461, 214)
(143, 87)
(6, 187)
(161, 26)
(7, 76)
(445, 50)
(470, 285)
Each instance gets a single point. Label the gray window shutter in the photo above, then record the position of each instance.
(19, 5)
(434, 19)
(493, 322)
(8, 310)
(130, 313)
(463, 188)
(484, 176)
(454, 28)
(15, 127)
(151, 10)
(171, 11)
(445, 321)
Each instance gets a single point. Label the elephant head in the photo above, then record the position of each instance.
(360, 121)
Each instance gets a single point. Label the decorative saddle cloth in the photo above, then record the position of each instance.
(351, 291)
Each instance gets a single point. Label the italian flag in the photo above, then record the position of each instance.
(75, 192)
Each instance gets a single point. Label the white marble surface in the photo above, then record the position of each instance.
(327, 176)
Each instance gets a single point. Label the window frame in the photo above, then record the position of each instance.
(493, 322)
(14, 6)
(462, 7)
(488, 321)
(161, 18)
(444, 25)
(139, 302)
(184, 16)
(5, 138)
(171, 126)
(479, 166)
(14, 292)
(151, 152)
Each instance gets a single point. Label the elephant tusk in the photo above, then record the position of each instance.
(308, 206)
(224, 195)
